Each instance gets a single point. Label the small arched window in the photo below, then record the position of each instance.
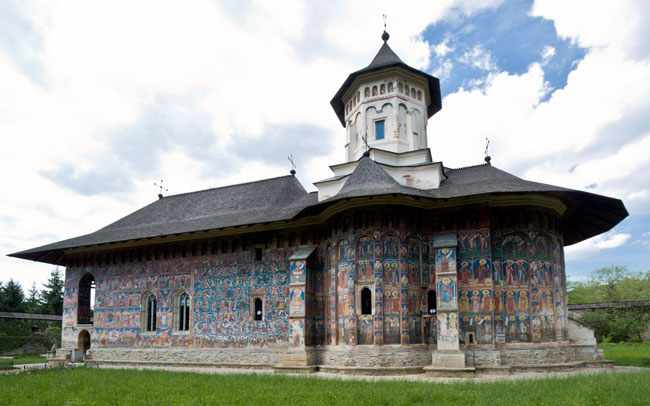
(406, 89)
(150, 313)
(382, 89)
(366, 92)
(258, 308)
(400, 87)
(419, 94)
(366, 301)
(356, 101)
(184, 312)
(431, 302)
(374, 90)
(390, 87)
(413, 92)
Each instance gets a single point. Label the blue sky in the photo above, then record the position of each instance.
(510, 36)
(467, 49)
(93, 115)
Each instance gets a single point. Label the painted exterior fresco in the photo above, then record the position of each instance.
(499, 280)
(220, 286)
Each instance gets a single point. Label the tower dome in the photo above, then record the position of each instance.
(386, 105)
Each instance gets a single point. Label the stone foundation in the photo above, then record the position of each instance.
(231, 357)
(531, 355)
(373, 356)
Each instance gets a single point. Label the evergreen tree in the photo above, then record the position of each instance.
(12, 298)
(33, 303)
(52, 294)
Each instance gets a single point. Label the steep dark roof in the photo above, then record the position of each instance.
(370, 179)
(283, 198)
(387, 58)
(262, 201)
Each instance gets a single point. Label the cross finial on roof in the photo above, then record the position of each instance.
(385, 36)
(293, 164)
(161, 188)
(365, 143)
(487, 146)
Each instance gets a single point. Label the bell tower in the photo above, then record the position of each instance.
(386, 105)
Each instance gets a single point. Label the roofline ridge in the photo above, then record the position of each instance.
(228, 186)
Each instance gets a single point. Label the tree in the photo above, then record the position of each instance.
(33, 304)
(52, 294)
(12, 297)
(610, 284)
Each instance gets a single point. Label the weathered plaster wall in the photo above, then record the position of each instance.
(221, 288)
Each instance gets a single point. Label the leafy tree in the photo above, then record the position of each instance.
(52, 294)
(12, 297)
(33, 303)
(611, 284)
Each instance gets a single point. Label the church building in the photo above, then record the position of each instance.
(395, 264)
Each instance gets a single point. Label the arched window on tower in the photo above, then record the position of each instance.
(86, 299)
(184, 312)
(413, 92)
(400, 87)
(390, 87)
(366, 92)
(406, 89)
(151, 307)
(382, 89)
(366, 301)
(374, 90)
(419, 94)
(431, 302)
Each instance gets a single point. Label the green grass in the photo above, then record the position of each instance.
(634, 354)
(29, 359)
(87, 386)
(6, 363)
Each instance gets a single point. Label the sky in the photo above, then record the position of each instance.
(99, 100)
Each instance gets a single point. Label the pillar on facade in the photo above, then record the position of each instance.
(298, 357)
(448, 353)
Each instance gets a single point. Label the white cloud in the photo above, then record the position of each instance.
(442, 48)
(595, 245)
(243, 68)
(547, 54)
(479, 58)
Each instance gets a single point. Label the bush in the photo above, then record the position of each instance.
(25, 344)
(617, 325)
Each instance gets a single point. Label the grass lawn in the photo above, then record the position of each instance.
(87, 386)
(637, 354)
(29, 359)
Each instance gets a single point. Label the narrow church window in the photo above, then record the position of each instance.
(379, 130)
(150, 313)
(86, 299)
(406, 89)
(400, 87)
(382, 89)
(258, 307)
(374, 90)
(413, 92)
(419, 94)
(390, 87)
(184, 312)
(366, 92)
(431, 302)
(258, 254)
(366, 301)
